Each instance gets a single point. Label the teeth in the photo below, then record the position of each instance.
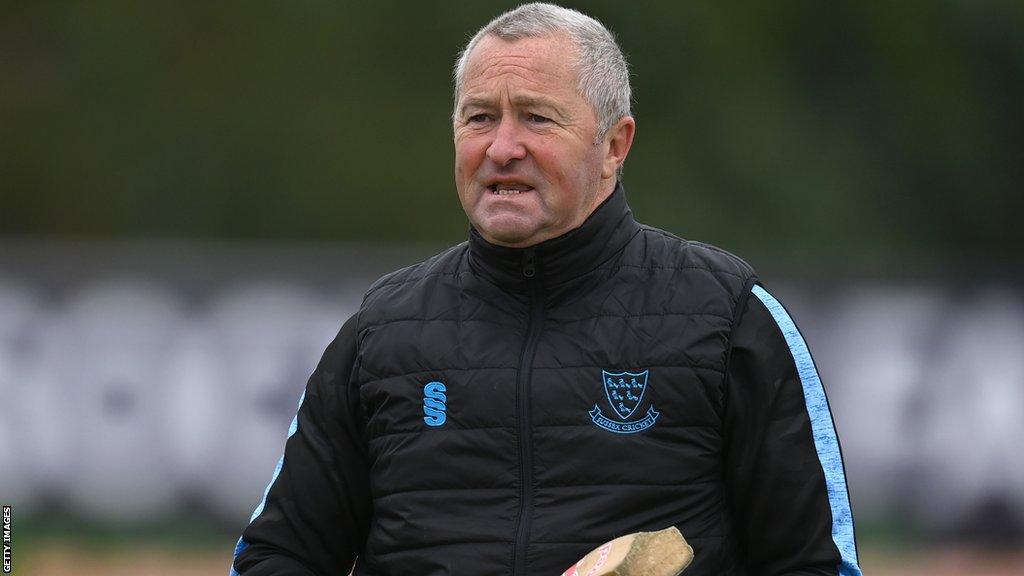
(504, 191)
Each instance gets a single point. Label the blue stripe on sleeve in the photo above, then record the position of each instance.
(239, 548)
(242, 544)
(825, 440)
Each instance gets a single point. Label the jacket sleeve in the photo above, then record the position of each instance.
(786, 487)
(314, 515)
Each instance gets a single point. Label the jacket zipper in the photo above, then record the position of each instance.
(534, 323)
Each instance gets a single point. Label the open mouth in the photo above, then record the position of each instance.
(508, 189)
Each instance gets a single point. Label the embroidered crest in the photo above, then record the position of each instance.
(625, 394)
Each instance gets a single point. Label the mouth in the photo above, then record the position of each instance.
(512, 189)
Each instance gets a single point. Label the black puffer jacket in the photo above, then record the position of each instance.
(497, 411)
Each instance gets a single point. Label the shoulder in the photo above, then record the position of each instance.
(443, 266)
(664, 249)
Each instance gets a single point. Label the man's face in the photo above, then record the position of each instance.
(526, 164)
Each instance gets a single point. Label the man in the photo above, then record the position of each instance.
(564, 377)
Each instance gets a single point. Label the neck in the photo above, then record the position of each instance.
(563, 258)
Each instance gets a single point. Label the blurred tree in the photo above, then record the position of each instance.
(863, 130)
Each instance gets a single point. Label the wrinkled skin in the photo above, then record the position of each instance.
(520, 124)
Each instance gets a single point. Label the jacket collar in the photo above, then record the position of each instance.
(558, 260)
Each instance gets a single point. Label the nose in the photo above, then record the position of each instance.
(506, 145)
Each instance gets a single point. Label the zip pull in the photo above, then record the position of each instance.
(529, 263)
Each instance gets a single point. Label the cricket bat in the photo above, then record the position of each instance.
(661, 553)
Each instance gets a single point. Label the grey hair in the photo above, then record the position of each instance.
(603, 75)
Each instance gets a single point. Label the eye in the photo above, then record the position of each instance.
(537, 119)
(478, 118)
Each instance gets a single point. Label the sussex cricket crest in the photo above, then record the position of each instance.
(625, 394)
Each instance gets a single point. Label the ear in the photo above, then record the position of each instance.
(617, 141)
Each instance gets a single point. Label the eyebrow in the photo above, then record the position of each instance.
(519, 101)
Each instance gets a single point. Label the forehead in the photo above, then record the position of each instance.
(537, 64)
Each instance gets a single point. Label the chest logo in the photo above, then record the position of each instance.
(625, 394)
(435, 404)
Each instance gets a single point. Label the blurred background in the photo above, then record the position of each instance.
(194, 196)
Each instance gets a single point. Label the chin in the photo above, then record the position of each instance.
(506, 234)
(505, 237)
